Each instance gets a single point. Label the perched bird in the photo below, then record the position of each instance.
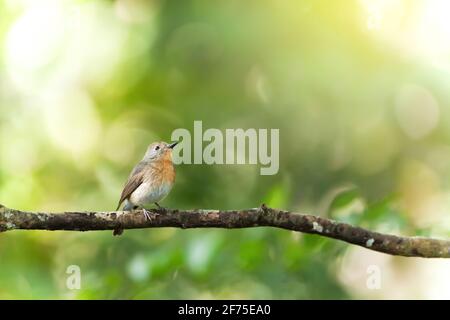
(151, 179)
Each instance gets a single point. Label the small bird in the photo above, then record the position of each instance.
(151, 179)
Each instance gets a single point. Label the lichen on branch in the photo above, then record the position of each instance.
(263, 216)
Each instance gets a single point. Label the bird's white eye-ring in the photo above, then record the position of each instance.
(157, 148)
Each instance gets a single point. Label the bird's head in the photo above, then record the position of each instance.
(159, 150)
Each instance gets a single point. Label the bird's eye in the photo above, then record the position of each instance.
(157, 148)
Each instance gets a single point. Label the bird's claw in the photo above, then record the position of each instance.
(148, 214)
(162, 209)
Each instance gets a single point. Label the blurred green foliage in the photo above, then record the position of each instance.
(359, 93)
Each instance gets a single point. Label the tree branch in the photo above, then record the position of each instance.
(258, 217)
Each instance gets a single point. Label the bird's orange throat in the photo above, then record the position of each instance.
(168, 168)
(167, 156)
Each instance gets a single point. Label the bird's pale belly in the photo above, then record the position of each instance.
(147, 193)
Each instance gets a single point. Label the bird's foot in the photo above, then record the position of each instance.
(149, 215)
(162, 209)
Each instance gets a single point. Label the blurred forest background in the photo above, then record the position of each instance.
(360, 91)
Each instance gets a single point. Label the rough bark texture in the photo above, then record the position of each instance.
(258, 217)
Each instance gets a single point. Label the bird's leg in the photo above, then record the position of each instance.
(160, 208)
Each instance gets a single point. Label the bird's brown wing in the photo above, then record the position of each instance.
(134, 181)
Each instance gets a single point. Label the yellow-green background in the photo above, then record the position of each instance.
(359, 90)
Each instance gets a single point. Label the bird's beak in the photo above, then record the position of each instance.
(171, 146)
